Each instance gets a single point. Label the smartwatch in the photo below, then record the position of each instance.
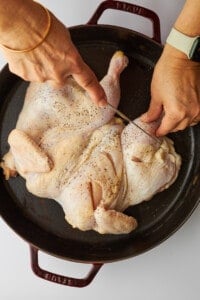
(186, 44)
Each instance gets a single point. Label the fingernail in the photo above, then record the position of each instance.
(158, 134)
(102, 103)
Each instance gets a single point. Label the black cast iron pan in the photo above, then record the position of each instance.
(41, 221)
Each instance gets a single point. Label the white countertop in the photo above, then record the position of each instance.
(169, 271)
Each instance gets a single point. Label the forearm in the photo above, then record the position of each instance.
(175, 91)
(22, 23)
(188, 21)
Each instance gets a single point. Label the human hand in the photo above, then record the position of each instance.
(54, 60)
(175, 92)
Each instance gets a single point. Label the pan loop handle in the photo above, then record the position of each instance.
(60, 279)
(131, 8)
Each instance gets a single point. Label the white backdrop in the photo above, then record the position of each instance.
(169, 271)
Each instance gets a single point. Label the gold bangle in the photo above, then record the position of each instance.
(40, 42)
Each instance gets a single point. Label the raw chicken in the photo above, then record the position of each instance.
(151, 167)
(49, 116)
(84, 158)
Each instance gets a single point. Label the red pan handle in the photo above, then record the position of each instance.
(64, 280)
(131, 8)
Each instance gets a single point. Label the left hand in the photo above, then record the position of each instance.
(175, 92)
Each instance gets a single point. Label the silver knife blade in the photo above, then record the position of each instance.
(124, 117)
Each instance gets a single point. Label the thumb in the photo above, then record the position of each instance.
(153, 113)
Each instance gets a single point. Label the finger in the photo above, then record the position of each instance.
(57, 74)
(166, 126)
(182, 125)
(195, 120)
(169, 124)
(154, 112)
(194, 123)
(87, 80)
(91, 85)
(40, 75)
(58, 82)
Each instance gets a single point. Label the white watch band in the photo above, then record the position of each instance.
(181, 41)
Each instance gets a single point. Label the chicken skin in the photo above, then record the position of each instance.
(151, 165)
(94, 166)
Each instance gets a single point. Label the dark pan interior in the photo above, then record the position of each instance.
(41, 221)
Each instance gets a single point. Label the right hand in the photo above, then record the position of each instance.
(54, 60)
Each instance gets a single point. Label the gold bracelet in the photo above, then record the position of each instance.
(40, 42)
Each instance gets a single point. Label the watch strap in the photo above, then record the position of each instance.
(181, 41)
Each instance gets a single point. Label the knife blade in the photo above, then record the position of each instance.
(124, 117)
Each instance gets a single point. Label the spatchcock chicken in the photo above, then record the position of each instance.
(81, 155)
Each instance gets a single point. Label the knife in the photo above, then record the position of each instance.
(124, 117)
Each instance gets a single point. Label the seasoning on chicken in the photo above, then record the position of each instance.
(93, 165)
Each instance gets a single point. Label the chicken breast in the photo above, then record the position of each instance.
(48, 115)
(98, 185)
(94, 166)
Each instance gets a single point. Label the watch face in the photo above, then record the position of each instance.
(195, 50)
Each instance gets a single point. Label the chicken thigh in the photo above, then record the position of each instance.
(151, 165)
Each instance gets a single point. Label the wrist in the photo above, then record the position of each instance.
(173, 52)
(24, 29)
(176, 59)
(187, 45)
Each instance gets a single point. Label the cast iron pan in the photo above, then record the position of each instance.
(41, 221)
